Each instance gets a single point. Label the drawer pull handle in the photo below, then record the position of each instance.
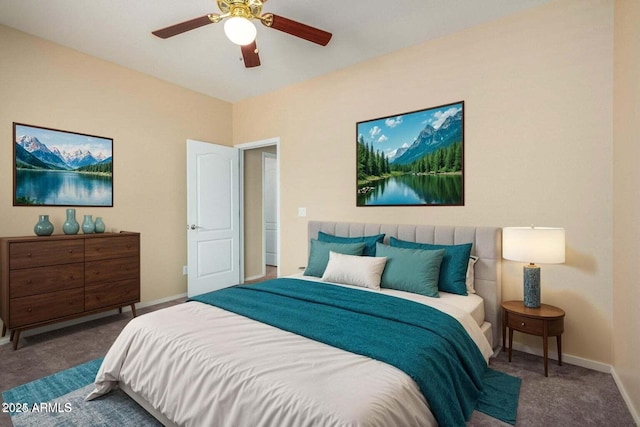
(29, 254)
(522, 324)
(29, 282)
(29, 310)
(70, 251)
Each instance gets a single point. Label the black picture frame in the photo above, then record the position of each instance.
(53, 167)
(412, 159)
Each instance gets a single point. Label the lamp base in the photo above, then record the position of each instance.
(531, 286)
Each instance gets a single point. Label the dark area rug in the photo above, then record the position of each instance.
(58, 400)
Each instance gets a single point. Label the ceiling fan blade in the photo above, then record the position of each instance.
(250, 55)
(297, 29)
(183, 27)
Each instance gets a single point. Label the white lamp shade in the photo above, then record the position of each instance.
(240, 30)
(544, 245)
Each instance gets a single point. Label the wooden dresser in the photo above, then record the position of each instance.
(50, 279)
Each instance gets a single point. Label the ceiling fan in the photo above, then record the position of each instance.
(241, 31)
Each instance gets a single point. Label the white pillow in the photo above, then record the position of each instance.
(471, 274)
(363, 271)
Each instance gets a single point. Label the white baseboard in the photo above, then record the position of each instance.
(88, 318)
(634, 412)
(572, 360)
(160, 301)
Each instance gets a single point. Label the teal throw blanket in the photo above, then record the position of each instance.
(428, 345)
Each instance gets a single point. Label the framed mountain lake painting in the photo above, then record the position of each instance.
(412, 159)
(59, 168)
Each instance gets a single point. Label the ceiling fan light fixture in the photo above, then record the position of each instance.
(239, 30)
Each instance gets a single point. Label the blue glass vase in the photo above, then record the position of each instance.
(43, 227)
(99, 225)
(88, 226)
(71, 225)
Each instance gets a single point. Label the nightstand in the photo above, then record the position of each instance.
(544, 321)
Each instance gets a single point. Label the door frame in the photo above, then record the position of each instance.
(265, 190)
(275, 141)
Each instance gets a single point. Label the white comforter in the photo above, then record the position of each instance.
(203, 366)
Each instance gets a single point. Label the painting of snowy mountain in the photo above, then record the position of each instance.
(412, 159)
(60, 168)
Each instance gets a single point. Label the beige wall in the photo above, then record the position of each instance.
(537, 88)
(253, 219)
(149, 120)
(626, 200)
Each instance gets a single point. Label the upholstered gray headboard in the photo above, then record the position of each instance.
(487, 245)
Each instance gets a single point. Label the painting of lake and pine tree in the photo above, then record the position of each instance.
(59, 168)
(413, 159)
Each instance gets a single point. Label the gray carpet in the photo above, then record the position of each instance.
(570, 396)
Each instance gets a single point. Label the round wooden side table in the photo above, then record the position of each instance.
(545, 321)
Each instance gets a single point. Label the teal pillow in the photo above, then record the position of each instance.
(319, 255)
(411, 270)
(453, 271)
(369, 241)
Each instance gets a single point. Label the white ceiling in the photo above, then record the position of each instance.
(205, 61)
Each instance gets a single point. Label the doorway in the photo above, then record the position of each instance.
(260, 209)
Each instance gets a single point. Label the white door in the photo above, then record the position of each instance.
(213, 215)
(270, 207)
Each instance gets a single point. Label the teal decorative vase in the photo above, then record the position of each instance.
(43, 227)
(99, 225)
(71, 225)
(87, 225)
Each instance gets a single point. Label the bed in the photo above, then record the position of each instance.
(198, 364)
(487, 246)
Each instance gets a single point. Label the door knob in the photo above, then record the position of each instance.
(194, 227)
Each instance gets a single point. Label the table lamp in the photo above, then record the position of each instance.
(544, 245)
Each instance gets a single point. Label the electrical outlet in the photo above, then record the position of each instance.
(302, 211)
(185, 270)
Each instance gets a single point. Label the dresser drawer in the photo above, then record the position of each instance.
(43, 307)
(123, 292)
(43, 253)
(40, 280)
(113, 247)
(111, 270)
(525, 324)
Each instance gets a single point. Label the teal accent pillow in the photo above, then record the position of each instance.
(411, 270)
(319, 255)
(369, 241)
(453, 271)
